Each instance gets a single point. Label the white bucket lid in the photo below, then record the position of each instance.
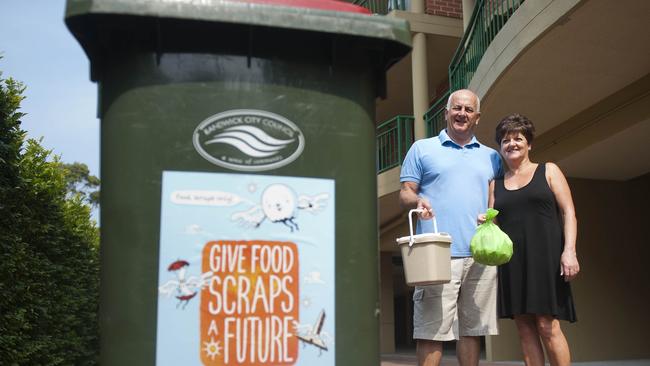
(427, 237)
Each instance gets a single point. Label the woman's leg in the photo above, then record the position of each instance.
(529, 339)
(553, 339)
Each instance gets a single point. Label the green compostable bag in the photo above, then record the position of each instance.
(489, 244)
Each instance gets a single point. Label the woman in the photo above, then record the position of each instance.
(537, 212)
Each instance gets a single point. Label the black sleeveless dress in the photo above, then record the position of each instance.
(531, 283)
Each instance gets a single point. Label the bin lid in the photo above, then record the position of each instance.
(315, 15)
(94, 22)
(444, 238)
(335, 5)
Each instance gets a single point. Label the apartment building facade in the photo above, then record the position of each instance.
(579, 69)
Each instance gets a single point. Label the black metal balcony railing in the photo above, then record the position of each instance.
(394, 138)
(488, 18)
(381, 6)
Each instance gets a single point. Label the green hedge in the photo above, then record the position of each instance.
(49, 253)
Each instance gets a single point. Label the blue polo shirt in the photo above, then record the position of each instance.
(455, 179)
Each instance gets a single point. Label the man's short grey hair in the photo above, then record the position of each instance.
(478, 100)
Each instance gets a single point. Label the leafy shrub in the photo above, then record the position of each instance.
(49, 253)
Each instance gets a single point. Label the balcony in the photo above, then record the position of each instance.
(487, 20)
(435, 116)
(394, 137)
(381, 6)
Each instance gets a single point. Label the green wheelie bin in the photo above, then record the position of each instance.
(238, 203)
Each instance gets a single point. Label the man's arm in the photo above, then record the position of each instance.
(481, 217)
(409, 198)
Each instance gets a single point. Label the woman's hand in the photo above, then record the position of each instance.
(480, 219)
(569, 266)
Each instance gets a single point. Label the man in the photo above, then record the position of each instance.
(448, 176)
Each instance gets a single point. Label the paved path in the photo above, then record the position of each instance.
(400, 359)
(410, 360)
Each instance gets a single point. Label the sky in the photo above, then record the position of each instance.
(60, 100)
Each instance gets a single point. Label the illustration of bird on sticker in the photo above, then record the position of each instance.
(312, 334)
(184, 287)
(280, 205)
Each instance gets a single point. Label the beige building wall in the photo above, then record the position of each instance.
(613, 288)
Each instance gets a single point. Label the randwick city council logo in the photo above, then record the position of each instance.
(248, 140)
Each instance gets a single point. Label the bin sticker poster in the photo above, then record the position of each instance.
(246, 273)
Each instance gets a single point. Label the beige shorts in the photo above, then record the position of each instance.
(466, 306)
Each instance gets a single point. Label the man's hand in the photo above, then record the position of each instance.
(409, 198)
(426, 213)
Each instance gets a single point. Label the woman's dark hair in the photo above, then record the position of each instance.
(515, 123)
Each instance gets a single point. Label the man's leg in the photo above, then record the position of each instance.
(468, 350)
(434, 311)
(429, 352)
(477, 310)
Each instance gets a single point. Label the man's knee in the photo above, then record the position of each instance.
(428, 346)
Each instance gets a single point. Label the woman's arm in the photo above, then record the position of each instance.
(491, 195)
(569, 265)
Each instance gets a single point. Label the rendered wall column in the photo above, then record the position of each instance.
(417, 6)
(468, 9)
(420, 76)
